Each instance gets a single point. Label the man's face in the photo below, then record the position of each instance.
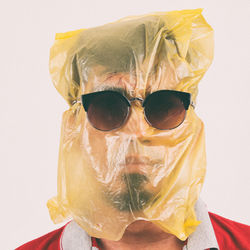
(131, 162)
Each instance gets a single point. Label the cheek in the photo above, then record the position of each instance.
(94, 142)
(103, 151)
(96, 139)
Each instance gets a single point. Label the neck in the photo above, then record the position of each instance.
(143, 235)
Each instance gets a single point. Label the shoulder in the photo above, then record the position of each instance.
(50, 241)
(230, 234)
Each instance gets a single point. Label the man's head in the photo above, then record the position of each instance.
(135, 148)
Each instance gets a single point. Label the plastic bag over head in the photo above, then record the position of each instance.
(109, 179)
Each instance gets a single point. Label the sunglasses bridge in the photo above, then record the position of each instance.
(134, 99)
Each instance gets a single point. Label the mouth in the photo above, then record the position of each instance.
(134, 193)
(139, 164)
(137, 160)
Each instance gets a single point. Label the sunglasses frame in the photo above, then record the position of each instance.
(183, 96)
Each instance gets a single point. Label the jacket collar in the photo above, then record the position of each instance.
(75, 238)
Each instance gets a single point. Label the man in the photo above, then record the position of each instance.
(132, 153)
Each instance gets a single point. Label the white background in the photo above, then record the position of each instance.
(31, 108)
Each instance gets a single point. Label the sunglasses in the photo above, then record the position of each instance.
(109, 110)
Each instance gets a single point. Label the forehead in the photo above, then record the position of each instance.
(131, 83)
(122, 82)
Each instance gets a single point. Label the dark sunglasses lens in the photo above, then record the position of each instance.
(164, 110)
(107, 110)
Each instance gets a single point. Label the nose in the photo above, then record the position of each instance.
(136, 124)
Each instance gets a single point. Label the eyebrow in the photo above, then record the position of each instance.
(112, 88)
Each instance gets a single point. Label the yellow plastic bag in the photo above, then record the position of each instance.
(100, 174)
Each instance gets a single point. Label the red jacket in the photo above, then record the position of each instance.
(230, 235)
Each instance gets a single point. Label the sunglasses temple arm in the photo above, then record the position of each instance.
(192, 105)
(78, 100)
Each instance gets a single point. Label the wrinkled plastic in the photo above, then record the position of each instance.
(107, 180)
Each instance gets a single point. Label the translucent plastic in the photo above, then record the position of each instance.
(107, 180)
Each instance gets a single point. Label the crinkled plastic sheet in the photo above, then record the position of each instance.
(107, 180)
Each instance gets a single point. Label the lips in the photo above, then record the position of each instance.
(136, 164)
(137, 160)
(140, 164)
(141, 160)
